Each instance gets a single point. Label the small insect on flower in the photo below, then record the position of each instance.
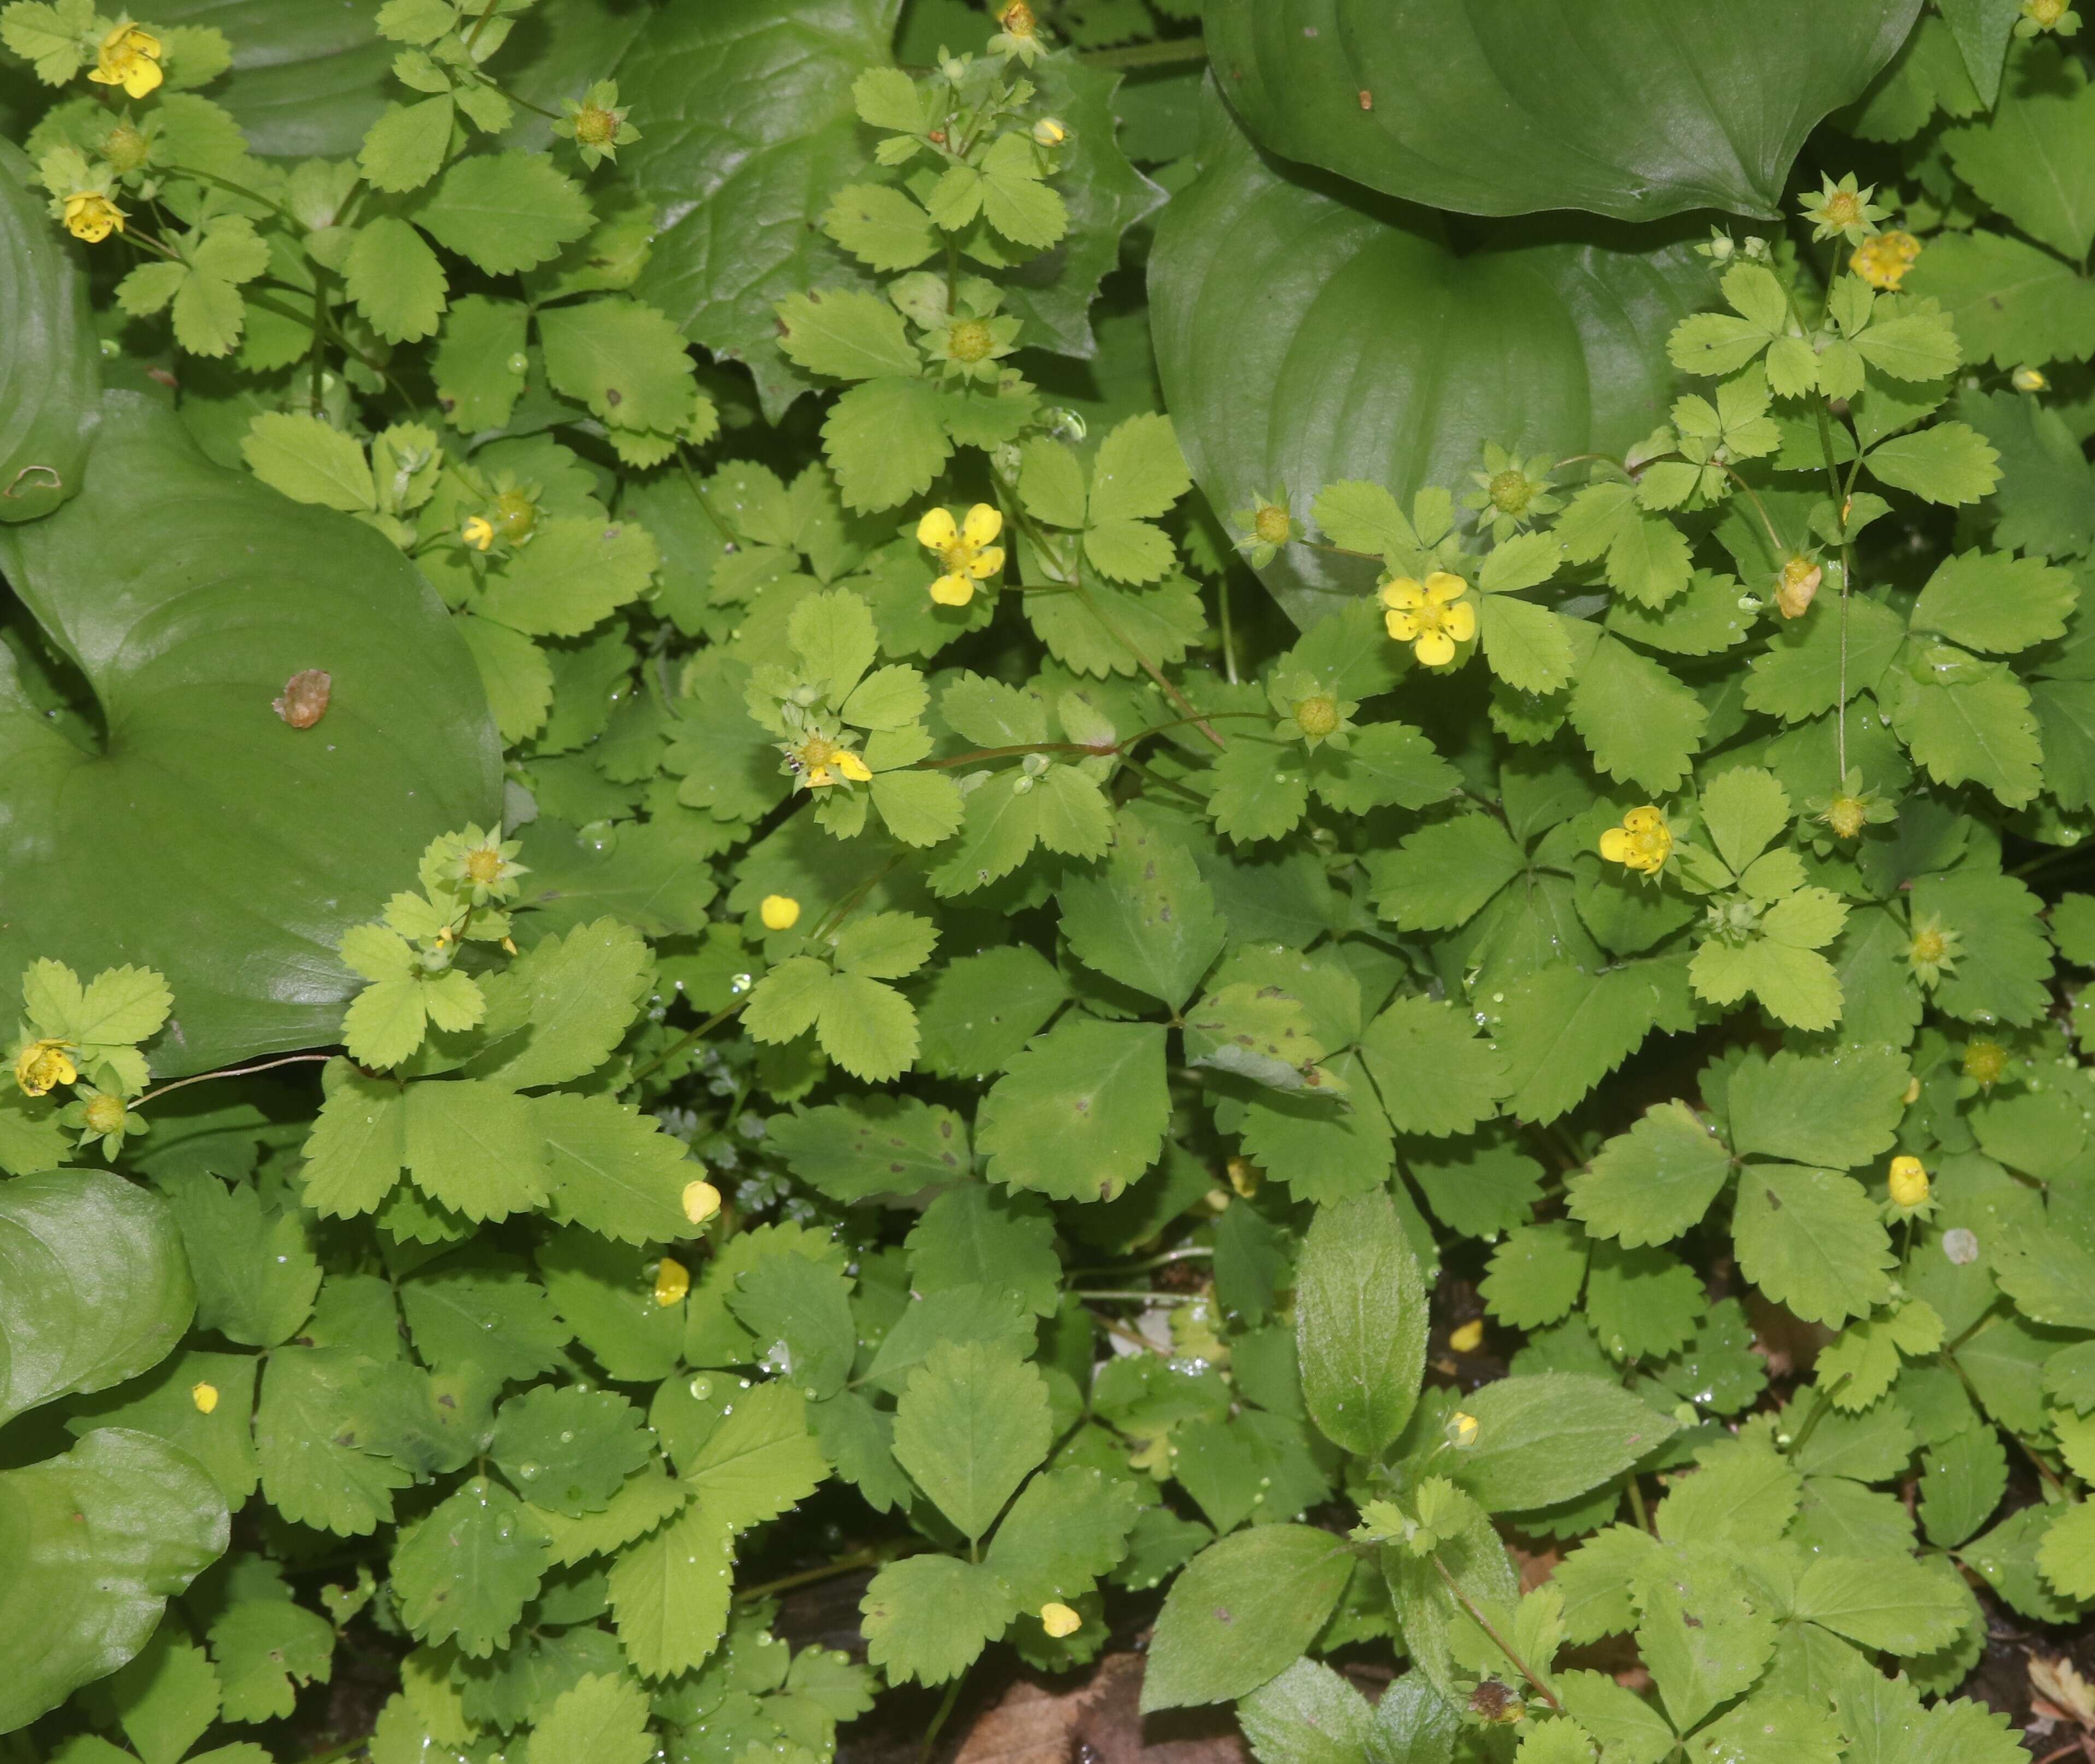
(702, 1200)
(966, 550)
(130, 58)
(673, 1280)
(1909, 1183)
(1431, 615)
(779, 912)
(304, 699)
(478, 532)
(1468, 1338)
(43, 1066)
(1059, 1620)
(91, 216)
(1883, 259)
(204, 1396)
(1642, 842)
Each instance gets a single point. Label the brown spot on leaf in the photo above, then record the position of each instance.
(304, 699)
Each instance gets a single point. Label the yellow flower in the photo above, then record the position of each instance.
(1642, 842)
(1461, 1430)
(967, 552)
(1883, 259)
(1244, 1176)
(1017, 19)
(204, 1396)
(478, 533)
(1909, 1181)
(1798, 582)
(1468, 1338)
(92, 216)
(780, 913)
(1431, 615)
(1059, 1620)
(1050, 132)
(2027, 379)
(702, 1200)
(130, 58)
(43, 1066)
(821, 761)
(673, 1280)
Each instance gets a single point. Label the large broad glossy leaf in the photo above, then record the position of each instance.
(92, 1546)
(748, 132)
(1304, 336)
(94, 1288)
(307, 77)
(748, 129)
(208, 838)
(1634, 108)
(51, 365)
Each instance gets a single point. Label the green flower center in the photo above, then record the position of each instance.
(1511, 491)
(1273, 525)
(1929, 945)
(970, 341)
(105, 1114)
(124, 148)
(595, 126)
(1316, 717)
(515, 514)
(1846, 816)
(1985, 1063)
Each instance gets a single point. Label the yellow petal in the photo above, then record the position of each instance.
(986, 563)
(1435, 649)
(1059, 1620)
(1468, 1338)
(1645, 820)
(853, 768)
(982, 524)
(779, 912)
(143, 76)
(952, 590)
(204, 1396)
(1403, 592)
(1615, 846)
(673, 1280)
(1403, 626)
(1459, 622)
(1442, 586)
(702, 1200)
(936, 530)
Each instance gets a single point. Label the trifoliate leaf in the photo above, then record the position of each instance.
(266, 1650)
(570, 1449)
(1650, 1184)
(1811, 1240)
(972, 1424)
(1081, 1113)
(928, 1617)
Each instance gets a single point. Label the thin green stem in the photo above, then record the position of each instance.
(945, 1710)
(843, 1565)
(480, 23)
(1498, 1641)
(1159, 1298)
(236, 1071)
(1170, 1255)
(1847, 581)
(1173, 52)
(1636, 1502)
(522, 103)
(1228, 637)
(1822, 1406)
(242, 190)
(685, 1040)
(1147, 666)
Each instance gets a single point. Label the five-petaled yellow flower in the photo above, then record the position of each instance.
(478, 533)
(130, 58)
(779, 912)
(673, 1280)
(1059, 1620)
(43, 1066)
(702, 1200)
(1883, 259)
(821, 761)
(92, 216)
(1909, 1183)
(967, 552)
(1642, 842)
(1431, 615)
